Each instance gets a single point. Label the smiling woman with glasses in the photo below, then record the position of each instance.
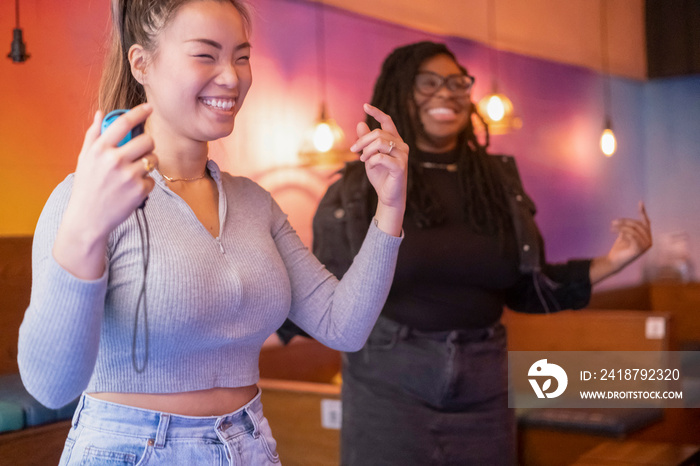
(430, 386)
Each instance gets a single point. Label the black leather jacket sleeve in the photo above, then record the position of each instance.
(555, 288)
(542, 287)
(289, 330)
(342, 218)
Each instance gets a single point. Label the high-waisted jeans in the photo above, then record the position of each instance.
(105, 433)
(427, 398)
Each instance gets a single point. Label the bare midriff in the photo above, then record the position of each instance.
(210, 402)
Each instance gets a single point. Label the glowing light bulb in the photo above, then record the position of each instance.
(323, 137)
(495, 108)
(608, 144)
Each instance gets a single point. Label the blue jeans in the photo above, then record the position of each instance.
(105, 433)
(427, 398)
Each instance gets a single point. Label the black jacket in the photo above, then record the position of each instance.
(344, 213)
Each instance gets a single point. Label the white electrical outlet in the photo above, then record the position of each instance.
(655, 328)
(331, 413)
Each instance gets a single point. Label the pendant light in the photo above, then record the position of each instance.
(495, 108)
(18, 52)
(323, 145)
(608, 143)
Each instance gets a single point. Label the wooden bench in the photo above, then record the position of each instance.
(636, 453)
(42, 442)
(681, 300)
(301, 400)
(594, 330)
(588, 330)
(305, 420)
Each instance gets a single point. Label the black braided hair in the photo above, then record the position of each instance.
(485, 205)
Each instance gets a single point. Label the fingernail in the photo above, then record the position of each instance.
(353, 148)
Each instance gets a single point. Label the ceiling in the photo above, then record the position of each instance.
(565, 31)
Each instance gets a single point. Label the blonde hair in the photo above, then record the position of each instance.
(138, 22)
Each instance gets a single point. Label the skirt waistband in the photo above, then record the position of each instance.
(464, 335)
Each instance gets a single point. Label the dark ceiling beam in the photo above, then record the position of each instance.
(673, 37)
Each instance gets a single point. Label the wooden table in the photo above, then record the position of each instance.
(632, 452)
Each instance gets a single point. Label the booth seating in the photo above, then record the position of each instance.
(631, 453)
(30, 433)
(18, 409)
(305, 420)
(301, 400)
(681, 300)
(556, 436)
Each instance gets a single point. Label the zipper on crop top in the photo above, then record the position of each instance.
(221, 246)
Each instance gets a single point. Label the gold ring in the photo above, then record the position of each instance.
(148, 165)
(391, 147)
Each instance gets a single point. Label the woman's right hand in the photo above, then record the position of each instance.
(385, 156)
(110, 182)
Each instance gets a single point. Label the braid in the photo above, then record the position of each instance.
(485, 208)
(485, 205)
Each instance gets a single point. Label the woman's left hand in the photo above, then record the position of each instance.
(386, 162)
(633, 240)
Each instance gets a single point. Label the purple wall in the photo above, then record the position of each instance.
(578, 191)
(671, 140)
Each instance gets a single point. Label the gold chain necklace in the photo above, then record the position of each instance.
(167, 178)
(450, 167)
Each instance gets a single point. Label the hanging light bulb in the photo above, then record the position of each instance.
(323, 145)
(323, 137)
(497, 111)
(608, 143)
(327, 135)
(495, 108)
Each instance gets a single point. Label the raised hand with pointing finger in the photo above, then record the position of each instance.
(633, 240)
(386, 159)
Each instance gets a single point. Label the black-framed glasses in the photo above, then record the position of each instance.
(428, 83)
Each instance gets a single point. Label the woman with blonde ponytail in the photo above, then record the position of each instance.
(157, 277)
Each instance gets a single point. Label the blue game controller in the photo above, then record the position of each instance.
(113, 115)
(135, 131)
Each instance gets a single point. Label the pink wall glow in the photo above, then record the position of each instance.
(48, 101)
